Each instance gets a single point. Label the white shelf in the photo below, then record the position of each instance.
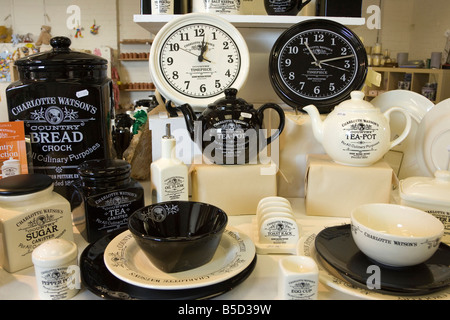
(153, 23)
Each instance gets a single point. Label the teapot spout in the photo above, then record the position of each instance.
(188, 113)
(316, 122)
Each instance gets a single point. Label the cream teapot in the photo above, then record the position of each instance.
(356, 133)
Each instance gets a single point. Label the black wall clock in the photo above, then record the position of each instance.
(317, 62)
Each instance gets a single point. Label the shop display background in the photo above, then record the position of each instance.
(404, 27)
(413, 26)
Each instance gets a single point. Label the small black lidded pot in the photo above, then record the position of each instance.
(104, 197)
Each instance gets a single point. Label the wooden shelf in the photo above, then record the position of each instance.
(419, 77)
(136, 41)
(133, 59)
(137, 86)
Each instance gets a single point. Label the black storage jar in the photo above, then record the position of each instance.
(65, 100)
(104, 197)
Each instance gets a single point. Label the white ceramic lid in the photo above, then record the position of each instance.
(356, 102)
(434, 191)
(54, 252)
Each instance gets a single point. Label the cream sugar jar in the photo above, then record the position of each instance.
(30, 214)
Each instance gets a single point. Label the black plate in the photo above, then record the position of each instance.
(99, 280)
(336, 246)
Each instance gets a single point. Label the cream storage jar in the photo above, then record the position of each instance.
(30, 214)
(430, 194)
(56, 269)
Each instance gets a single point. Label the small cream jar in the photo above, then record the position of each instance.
(56, 269)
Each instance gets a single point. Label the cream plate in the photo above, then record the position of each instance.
(433, 139)
(333, 280)
(125, 260)
(417, 106)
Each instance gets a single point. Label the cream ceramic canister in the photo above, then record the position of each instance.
(356, 133)
(217, 6)
(30, 214)
(56, 269)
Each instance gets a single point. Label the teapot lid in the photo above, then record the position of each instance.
(230, 101)
(356, 101)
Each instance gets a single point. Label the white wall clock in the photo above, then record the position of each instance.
(195, 57)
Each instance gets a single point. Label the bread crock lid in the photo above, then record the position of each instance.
(24, 184)
(61, 55)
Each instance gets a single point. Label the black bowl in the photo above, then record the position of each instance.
(178, 235)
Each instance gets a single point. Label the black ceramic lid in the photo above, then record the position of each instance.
(24, 184)
(231, 101)
(102, 168)
(60, 55)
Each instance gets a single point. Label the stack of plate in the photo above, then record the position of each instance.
(115, 268)
(427, 147)
(344, 267)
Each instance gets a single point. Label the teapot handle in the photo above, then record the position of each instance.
(171, 110)
(301, 4)
(407, 128)
(280, 112)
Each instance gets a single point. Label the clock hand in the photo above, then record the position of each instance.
(330, 65)
(188, 51)
(195, 55)
(202, 51)
(316, 62)
(333, 59)
(202, 58)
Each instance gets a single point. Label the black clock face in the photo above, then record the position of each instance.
(317, 62)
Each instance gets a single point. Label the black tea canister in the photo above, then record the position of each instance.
(104, 197)
(65, 100)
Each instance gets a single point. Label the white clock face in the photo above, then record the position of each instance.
(195, 57)
(200, 60)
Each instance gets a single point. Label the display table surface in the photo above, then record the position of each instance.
(260, 285)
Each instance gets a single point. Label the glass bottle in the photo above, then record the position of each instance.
(104, 197)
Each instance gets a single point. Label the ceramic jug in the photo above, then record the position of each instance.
(229, 130)
(356, 133)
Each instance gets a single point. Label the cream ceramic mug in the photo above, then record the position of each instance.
(298, 278)
(217, 6)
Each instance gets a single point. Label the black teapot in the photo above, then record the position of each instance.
(230, 131)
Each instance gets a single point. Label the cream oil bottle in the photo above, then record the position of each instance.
(169, 175)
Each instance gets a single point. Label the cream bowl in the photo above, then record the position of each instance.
(395, 235)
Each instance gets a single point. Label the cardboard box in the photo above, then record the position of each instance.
(12, 149)
(236, 189)
(335, 190)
